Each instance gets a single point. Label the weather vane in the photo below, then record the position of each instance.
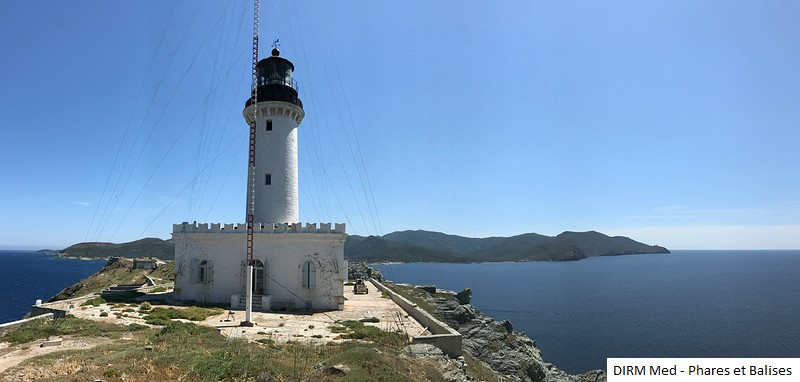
(276, 43)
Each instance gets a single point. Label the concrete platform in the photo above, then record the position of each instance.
(282, 327)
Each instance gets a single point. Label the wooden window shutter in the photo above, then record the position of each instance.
(312, 275)
(193, 271)
(304, 275)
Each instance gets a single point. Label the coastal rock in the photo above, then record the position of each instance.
(452, 370)
(507, 324)
(464, 297)
(427, 288)
(511, 354)
(338, 370)
(422, 351)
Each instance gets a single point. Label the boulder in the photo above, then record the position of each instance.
(338, 369)
(507, 325)
(464, 296)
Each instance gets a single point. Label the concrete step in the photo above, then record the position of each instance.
(256, 301)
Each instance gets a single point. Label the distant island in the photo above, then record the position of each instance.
(420, 246)
(428, 246)
(147, 247)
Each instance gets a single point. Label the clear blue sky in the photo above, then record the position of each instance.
(672, 122)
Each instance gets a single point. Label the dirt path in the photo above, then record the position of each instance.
(13, 355)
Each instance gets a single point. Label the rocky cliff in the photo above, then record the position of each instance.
(510, 354)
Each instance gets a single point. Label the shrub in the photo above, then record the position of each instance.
(145, 306)
(125, 296)
(371, 333)
(157, 321)
(111, 372)
(162, 316)
(95, 302)
(136, 327)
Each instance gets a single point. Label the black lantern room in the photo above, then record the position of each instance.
(275, 82)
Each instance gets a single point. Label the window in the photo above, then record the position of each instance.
(269, 125)
(267, 179)
(203, 275)
(202, 271)
(309, 275)
(259, 277)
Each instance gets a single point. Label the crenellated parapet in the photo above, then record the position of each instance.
(272, 109)
(260, 228)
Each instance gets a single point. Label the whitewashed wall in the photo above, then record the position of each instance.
(276, 153)
(281, 249)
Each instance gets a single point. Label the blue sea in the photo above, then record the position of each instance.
(26, 276)
(684, 304)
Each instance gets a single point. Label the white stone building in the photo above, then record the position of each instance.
(295, 266)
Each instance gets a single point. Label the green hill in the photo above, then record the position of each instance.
(377, 249)
(147, 247)
(519, 247)
(422, 246)
(596, 244)
(443, 242)
(526, 247)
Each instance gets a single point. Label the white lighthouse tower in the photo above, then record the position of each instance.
(278, 113)
(272, 261)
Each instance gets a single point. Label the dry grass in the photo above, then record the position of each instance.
(188, 352)
(41, 329)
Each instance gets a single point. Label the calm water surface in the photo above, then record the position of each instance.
(26, 276)
(685, 304)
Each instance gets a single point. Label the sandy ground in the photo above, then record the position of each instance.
(281, 327)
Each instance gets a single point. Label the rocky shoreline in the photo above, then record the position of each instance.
(64, 255)
(512, 355)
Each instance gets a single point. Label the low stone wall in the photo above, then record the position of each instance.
(40, 310)
(15, 324)
(443, 337)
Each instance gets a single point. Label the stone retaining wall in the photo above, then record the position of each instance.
(40, 310)
(443, 336)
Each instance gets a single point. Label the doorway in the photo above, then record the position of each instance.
(259, 287)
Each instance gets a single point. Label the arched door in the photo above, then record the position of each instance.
(259, 286)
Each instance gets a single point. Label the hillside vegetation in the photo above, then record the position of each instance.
(424, 246)
(147, 247)
(438, 247)
(117, 271)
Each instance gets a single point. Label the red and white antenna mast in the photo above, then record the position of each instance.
(251, 173)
